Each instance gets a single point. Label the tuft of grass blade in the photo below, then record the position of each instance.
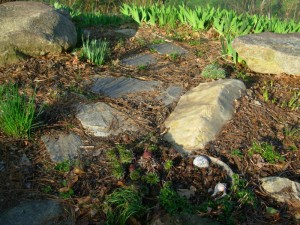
(95, 50)
(17, 112)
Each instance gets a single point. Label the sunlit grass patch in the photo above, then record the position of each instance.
(17, 111)
(96, 51)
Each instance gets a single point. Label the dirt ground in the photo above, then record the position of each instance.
(63, 80)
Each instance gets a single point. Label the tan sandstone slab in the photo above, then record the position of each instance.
(201, 113)
(270, 52)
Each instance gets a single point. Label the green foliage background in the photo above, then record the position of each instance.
(284, 9)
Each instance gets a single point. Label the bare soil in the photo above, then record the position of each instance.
(63, 80)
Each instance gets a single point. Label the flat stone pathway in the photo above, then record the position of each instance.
(168, 49)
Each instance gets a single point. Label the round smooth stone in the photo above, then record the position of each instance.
(201, 161)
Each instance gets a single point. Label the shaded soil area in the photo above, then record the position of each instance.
(266, 114)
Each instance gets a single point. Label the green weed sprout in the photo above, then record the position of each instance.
(213, 71)
(122, 204)
(17, 112)
(267, 151)
(95, 50)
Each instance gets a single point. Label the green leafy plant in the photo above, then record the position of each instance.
(268, 86)
(236, 152)
(67, 194)
(168, 164)
(47, 189)
(267, 151)
(294, 102)
(199, 53)
(151, 178)
(119, 158)
(64, 166)
(117, 170)
(241, 191)
(122, 204)
(142, 67)
(96, 51)
(243, 76)
(174, 56)
(292, 132)
(135, 175)
(172, 202)
(17, 112)
(213, 71)
(125, 155)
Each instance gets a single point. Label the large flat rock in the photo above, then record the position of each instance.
(116, 87)
(201, 113)
(37, 212)
(61, 146)
(168, 49)
(102, 120)
(270, 52)
(32, 29)
(284, 190)
(139, 60)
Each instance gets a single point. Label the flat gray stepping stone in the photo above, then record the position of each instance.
(101, 120)
(126, 32)
(62, 147)
(139, 60)
(116, 87)
(37, 212)
(170, 95)
(201, 113)
(168, 49)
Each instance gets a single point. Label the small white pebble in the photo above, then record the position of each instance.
(201, 161)
(220, 187)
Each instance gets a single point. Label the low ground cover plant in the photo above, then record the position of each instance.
(267, 151)
(213, 71)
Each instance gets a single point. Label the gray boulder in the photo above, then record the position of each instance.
(284, 190)
(117, 87)
(270, 52)
(61, 146)
(102, 120)
(201, 113)
(33, 29)
(37, 212)
(182, 219)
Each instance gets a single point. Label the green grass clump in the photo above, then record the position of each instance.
(17, 112)
(95, 51)
(122, 204)
(267, 151)
(213, 71)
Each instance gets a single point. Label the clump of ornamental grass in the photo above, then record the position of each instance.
(96, 51)
(17, 111)
(213, 71)
(122, 204)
